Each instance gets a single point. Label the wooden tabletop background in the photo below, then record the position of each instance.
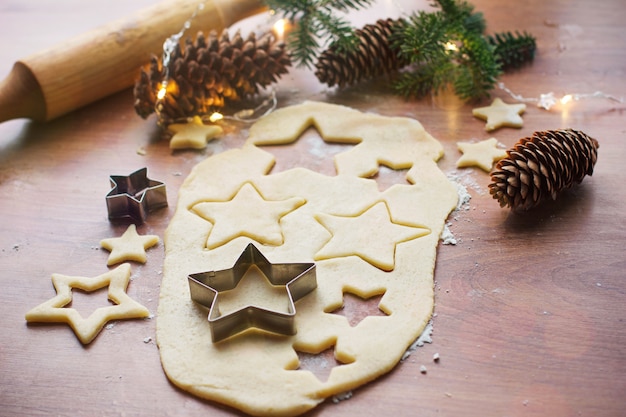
(530, 309)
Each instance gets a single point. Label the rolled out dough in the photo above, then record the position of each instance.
(331, 220)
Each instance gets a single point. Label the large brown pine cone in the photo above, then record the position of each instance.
(373, 56)
(539, 167)
(208, 72)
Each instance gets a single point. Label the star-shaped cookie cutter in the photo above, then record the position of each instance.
(299, 279)
(134, 196)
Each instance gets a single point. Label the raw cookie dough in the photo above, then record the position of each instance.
(246, 213)
(129, 247)
(500, 114)
(192, 135)
(481, 154)
(86, 329)
(255, 371)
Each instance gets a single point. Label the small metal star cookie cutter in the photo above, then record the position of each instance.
(299, 279)
(134, 196)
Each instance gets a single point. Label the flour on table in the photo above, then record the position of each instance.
(425, 337)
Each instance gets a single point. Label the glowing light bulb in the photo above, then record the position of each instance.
(216, 117)
(279, 28)
(451, 46)
(566, 99)
(161, 93)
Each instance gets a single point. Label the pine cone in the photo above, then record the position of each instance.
(373, 56)
(512, 51)
(541, 166)
(209, 72)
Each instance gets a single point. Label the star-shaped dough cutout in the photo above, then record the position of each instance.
(247, 214)
(371, 235)
(192, 135)
(500, 114)
(129, 247)
(481, 154)
(86, 329)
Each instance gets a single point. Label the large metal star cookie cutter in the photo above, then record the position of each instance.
(299, 279)
(134, 196)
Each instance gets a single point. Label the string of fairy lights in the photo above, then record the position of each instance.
(547, 101)
(169, 46)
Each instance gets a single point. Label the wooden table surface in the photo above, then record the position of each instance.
(530, 309)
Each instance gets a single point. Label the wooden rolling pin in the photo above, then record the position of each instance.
(106, 60)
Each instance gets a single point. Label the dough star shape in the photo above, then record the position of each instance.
(371, 235)
(129, 247)
(482, 154)
(194, 135)
(246, 214)
(500, 114)
(86, 329)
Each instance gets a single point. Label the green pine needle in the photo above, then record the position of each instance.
(513, 50)
(301, 41)
(317, 22)
(446, 47)
(478, 70)
(460, 12)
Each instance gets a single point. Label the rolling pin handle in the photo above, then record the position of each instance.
(21, 95)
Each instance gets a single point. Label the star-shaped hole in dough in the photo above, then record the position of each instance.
(371, 235)
(321, 363)
(246, 214)
(315, 153)
(129, 247)
(481, 154)
(387, 177)
(500, 114)
(86, 329)
(192, 135)
(355, 307)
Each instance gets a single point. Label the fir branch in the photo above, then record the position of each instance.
(462, 13)
(424, 79)
(330, 26)
(422, 39)
(513, 50)
(347, 5)
(417, 83)
(447, 47)
(478, 68)
(301, 41)
(317, 21)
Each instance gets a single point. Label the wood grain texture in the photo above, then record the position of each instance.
(530, 308)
